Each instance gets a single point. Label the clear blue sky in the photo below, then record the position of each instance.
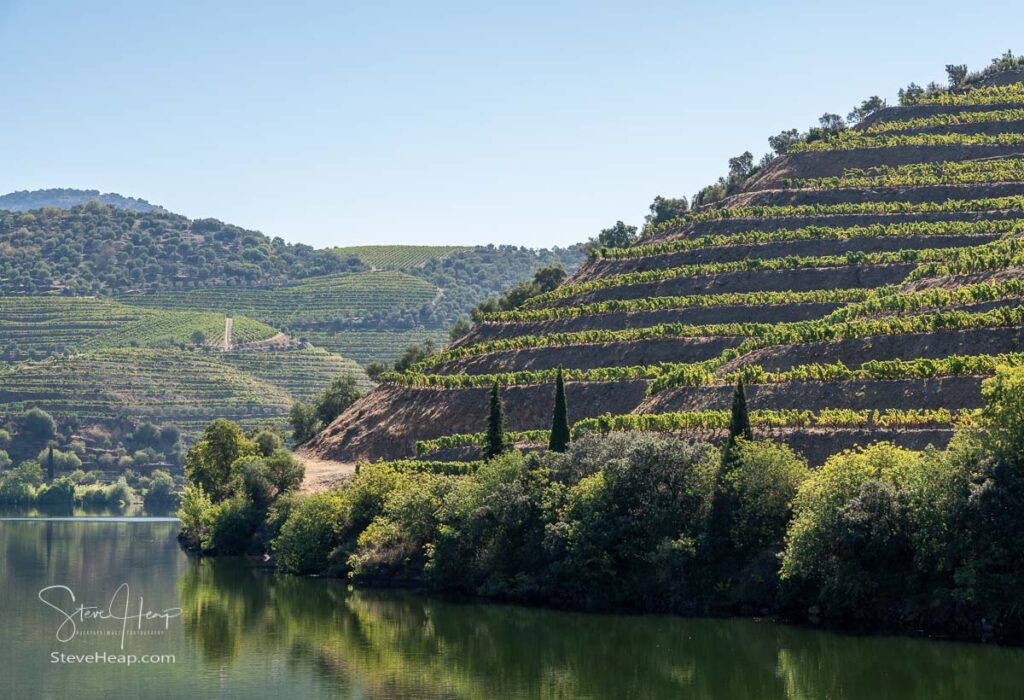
(535, 123)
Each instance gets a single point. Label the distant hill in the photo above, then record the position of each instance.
(64, 198)
(97, 249)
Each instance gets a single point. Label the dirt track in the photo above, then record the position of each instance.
(323, 475)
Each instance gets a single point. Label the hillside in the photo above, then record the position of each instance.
(368, 302)
(863, 283)
(67, 198)
(95, 360)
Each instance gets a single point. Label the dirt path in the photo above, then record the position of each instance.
(228, 325)
(322, 475)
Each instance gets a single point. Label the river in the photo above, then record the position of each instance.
(245, 632)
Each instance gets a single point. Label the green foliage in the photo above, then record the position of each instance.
(321, 530)
(61, 461)
(496, 441)
(148, 250)
(161, 491)
(874, 176)
(59, 493)
(560, 435)
(739, 420)
(209, 462)
(618, 236)
(284, 471)
(38, 425)
(399, 257)
(917, 174)
(816, 296)
(302, 418)
(855, 258)
(230, 526)
(342, 393)
(770, 211)
(850, 140)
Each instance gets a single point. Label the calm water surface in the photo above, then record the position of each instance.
(247, 633)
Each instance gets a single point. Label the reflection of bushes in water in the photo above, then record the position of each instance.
(220, 602)
(815, 665)
(397, 643)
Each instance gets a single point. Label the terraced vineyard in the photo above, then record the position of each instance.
(96, 360)
(36, 327)
(862, 286)
(183, 387)
(399, 257)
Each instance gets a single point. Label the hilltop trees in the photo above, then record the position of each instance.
(618, 236)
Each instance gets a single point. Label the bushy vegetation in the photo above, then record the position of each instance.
(879, 538)
(307, 420)
(234, 484)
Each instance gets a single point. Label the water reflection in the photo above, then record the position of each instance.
(394, 644)
(246, 632)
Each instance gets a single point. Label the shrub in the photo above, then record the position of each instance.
(59, 493)
(161, 490)
(231, 525)
(194, 513)
(285, 472)
(311, 531)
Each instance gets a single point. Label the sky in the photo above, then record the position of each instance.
(527, 123)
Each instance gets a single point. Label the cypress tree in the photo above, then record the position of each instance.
(739, 421)
(49, 464)
(495, 426)
(560, 418)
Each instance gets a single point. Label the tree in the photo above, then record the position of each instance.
(208, 463)
(458, 329)
(495, 426)
(342, 393)
(414, 354)
(910, 94)
(831, 123)
(739, 421)
(198, 338)
(741, 167)
(663, 209)
(618, 236)
(957, 74)
(38, 425)
(784, 140)
(375, 369)
(302, 418)
(49, 464)
(867, 107)
(560, 434)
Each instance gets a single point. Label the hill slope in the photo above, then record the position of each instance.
(862, 285)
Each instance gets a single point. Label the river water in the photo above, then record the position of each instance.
(244, 632)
